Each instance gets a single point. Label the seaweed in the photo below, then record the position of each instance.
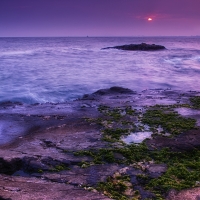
(169, 120)
(195, 101)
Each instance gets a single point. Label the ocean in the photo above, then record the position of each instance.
(39, 70)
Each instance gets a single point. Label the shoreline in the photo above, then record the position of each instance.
(54, 145)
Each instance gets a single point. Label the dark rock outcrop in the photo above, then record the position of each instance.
(114, 90)
(106, 92)
(138, 47)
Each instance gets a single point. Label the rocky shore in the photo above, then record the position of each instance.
(86, 149)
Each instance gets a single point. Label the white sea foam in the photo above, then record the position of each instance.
(16, 53)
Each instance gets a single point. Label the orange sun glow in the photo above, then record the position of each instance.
(149, 19)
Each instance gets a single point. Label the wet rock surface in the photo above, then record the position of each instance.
(184, 142)
(138, 47)
(39, 144)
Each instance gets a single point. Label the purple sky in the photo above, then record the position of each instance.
(99, 17)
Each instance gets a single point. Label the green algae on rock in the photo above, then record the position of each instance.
(169, 120)
(195, 102)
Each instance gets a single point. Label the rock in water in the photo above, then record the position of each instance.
(114, 90)
(138, 47)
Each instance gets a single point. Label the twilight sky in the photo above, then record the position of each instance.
(99, 17)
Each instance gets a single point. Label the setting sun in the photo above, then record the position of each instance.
(149, 19)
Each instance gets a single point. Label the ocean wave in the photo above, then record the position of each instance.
(59, 69)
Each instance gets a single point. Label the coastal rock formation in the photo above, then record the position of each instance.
(73, 150)
(138, 47)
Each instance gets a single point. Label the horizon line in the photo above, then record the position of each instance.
(96, 36)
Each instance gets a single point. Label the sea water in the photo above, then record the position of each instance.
(59, 69)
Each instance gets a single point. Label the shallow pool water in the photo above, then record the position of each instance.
(137, 137)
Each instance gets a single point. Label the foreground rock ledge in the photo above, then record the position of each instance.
(37, 158)
(138, 47)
